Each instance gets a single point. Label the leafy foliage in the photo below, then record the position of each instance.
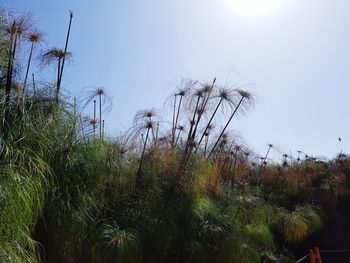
(185, 193)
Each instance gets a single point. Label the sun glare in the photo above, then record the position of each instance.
(255, 7)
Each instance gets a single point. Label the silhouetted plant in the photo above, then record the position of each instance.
(185, 87)
(181, 130)
(34, 38)
(77, 196)
(263, 161)
(103, 101)
(16, 28)
(65, 50)
(56, 55)
(143, 121)
(208, 90)
(224, 95)
(95, 122)
(245, 102)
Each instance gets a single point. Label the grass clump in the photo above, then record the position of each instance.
(191, 192)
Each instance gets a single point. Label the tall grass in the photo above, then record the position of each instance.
(184, 193)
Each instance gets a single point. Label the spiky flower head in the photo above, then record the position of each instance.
(245, 94)
(181, 92)
(149, 125)
(206, 88)
(100, 91)
(19, 25)
(237, 148)
(35, 37)
(181, 128)
(93, 122)
(199, 93)
(55, 54)
(225, 94)
(147, 114)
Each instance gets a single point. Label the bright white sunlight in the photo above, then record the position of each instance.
(255, 7)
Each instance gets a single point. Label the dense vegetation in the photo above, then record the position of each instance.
(177, 191)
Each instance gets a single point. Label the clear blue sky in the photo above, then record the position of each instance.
(298, 57)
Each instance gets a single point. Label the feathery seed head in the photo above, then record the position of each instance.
(55, 54)
(200, 111)
(181, 93)
(149, 125)
(93, 122)
(148, 114)
(35, 37)
(100, 91)
(206, 88)
(210, 127)
(224, 94)
(18, 26)
(244, 94)
(199, 93)
(237, 148)
(181, 128)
